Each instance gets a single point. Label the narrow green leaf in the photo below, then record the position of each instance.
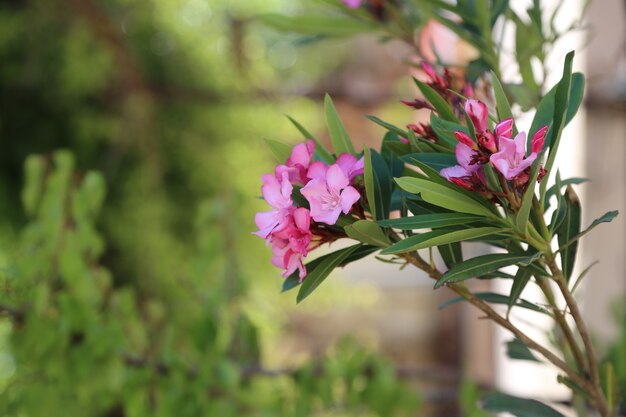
(502, 103)
(569, 228)
(522, 277)
(482, 265)
(527, 199)
(554, 189)
(367, 232)
(438, 237)
(430, 221)
(388, 126)
(451, 254)
(582, 275)
(441, 105)
(516, 349)
(318, 25)
(519, 407)
(378, 185)
(443, 196)
(280, 150)
(315, 277)
(436, 161)
(360, 251)
(320, 149)
(338, 135)
(445, 130)
(494, 298)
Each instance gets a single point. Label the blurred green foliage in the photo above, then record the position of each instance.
(135, 301)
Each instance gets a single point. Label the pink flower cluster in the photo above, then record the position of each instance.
(353, 4)
(328, 190)
(506, 154)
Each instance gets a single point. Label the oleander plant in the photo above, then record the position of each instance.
(472, 174)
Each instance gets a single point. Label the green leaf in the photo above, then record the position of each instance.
(378, 185)
(436, 161)
(360, 252)
(320, 150)
(522, 277)
(430, 221)
(569, 228)
(502, 103)
(451, 254)
(445, 130)
(443, 196)
(438, 237)
(395, 129)
(494, 298)
(527, 199)
(315, 277)
(519, 407)
(516, 349)
(367, 232)
(280, 150)
(441, 105)
(605, 218)
(318, 25)
(555, 189)
(482, 265)
(338, 135)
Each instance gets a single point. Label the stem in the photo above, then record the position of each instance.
(562, 322)
(416, 260)
(594, 374)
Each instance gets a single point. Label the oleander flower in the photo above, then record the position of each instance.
(329, 193)
(291, 244)
(511, 159)
(277, 193)
(464, 157)
(298, 163)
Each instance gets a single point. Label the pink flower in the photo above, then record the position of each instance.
(504, 129)
(298, 163)
(351, 166)
(278, 195)
(353, 4)
(330, 195)
(464, 138)
(464, 156)
(478, 114)
(511, 160)
(291, 245)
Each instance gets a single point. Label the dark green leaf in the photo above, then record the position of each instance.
(516, 349)
(430, 221)
(482, 265)
(502, 102)
(522, 277)
(554, 189)
(315, 277)
(451, 254)
(359, 252)
(378, 185)
(436, 238)
(494, 298)
(436, 161)
(519, 407)
(388, 126)
(569, 228)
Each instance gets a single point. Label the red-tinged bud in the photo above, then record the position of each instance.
(504, 129)
(538, 140)
(542, 173)
(478, 113)
(488, 141)
(464, 139)
(417, 104)
(429, 70)
(462, 182)
(468, 91)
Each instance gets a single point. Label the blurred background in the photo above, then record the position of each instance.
(130, 168)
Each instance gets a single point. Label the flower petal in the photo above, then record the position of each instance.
(349, 196)
(504, 128)
(336, 179)
(464, 156)
(456, 171)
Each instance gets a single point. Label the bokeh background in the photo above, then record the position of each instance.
(130, 166)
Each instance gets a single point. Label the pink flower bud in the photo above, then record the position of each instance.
(478, 113)
(464, 139)
(538, 140)
(488, 141)
(504, 128)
